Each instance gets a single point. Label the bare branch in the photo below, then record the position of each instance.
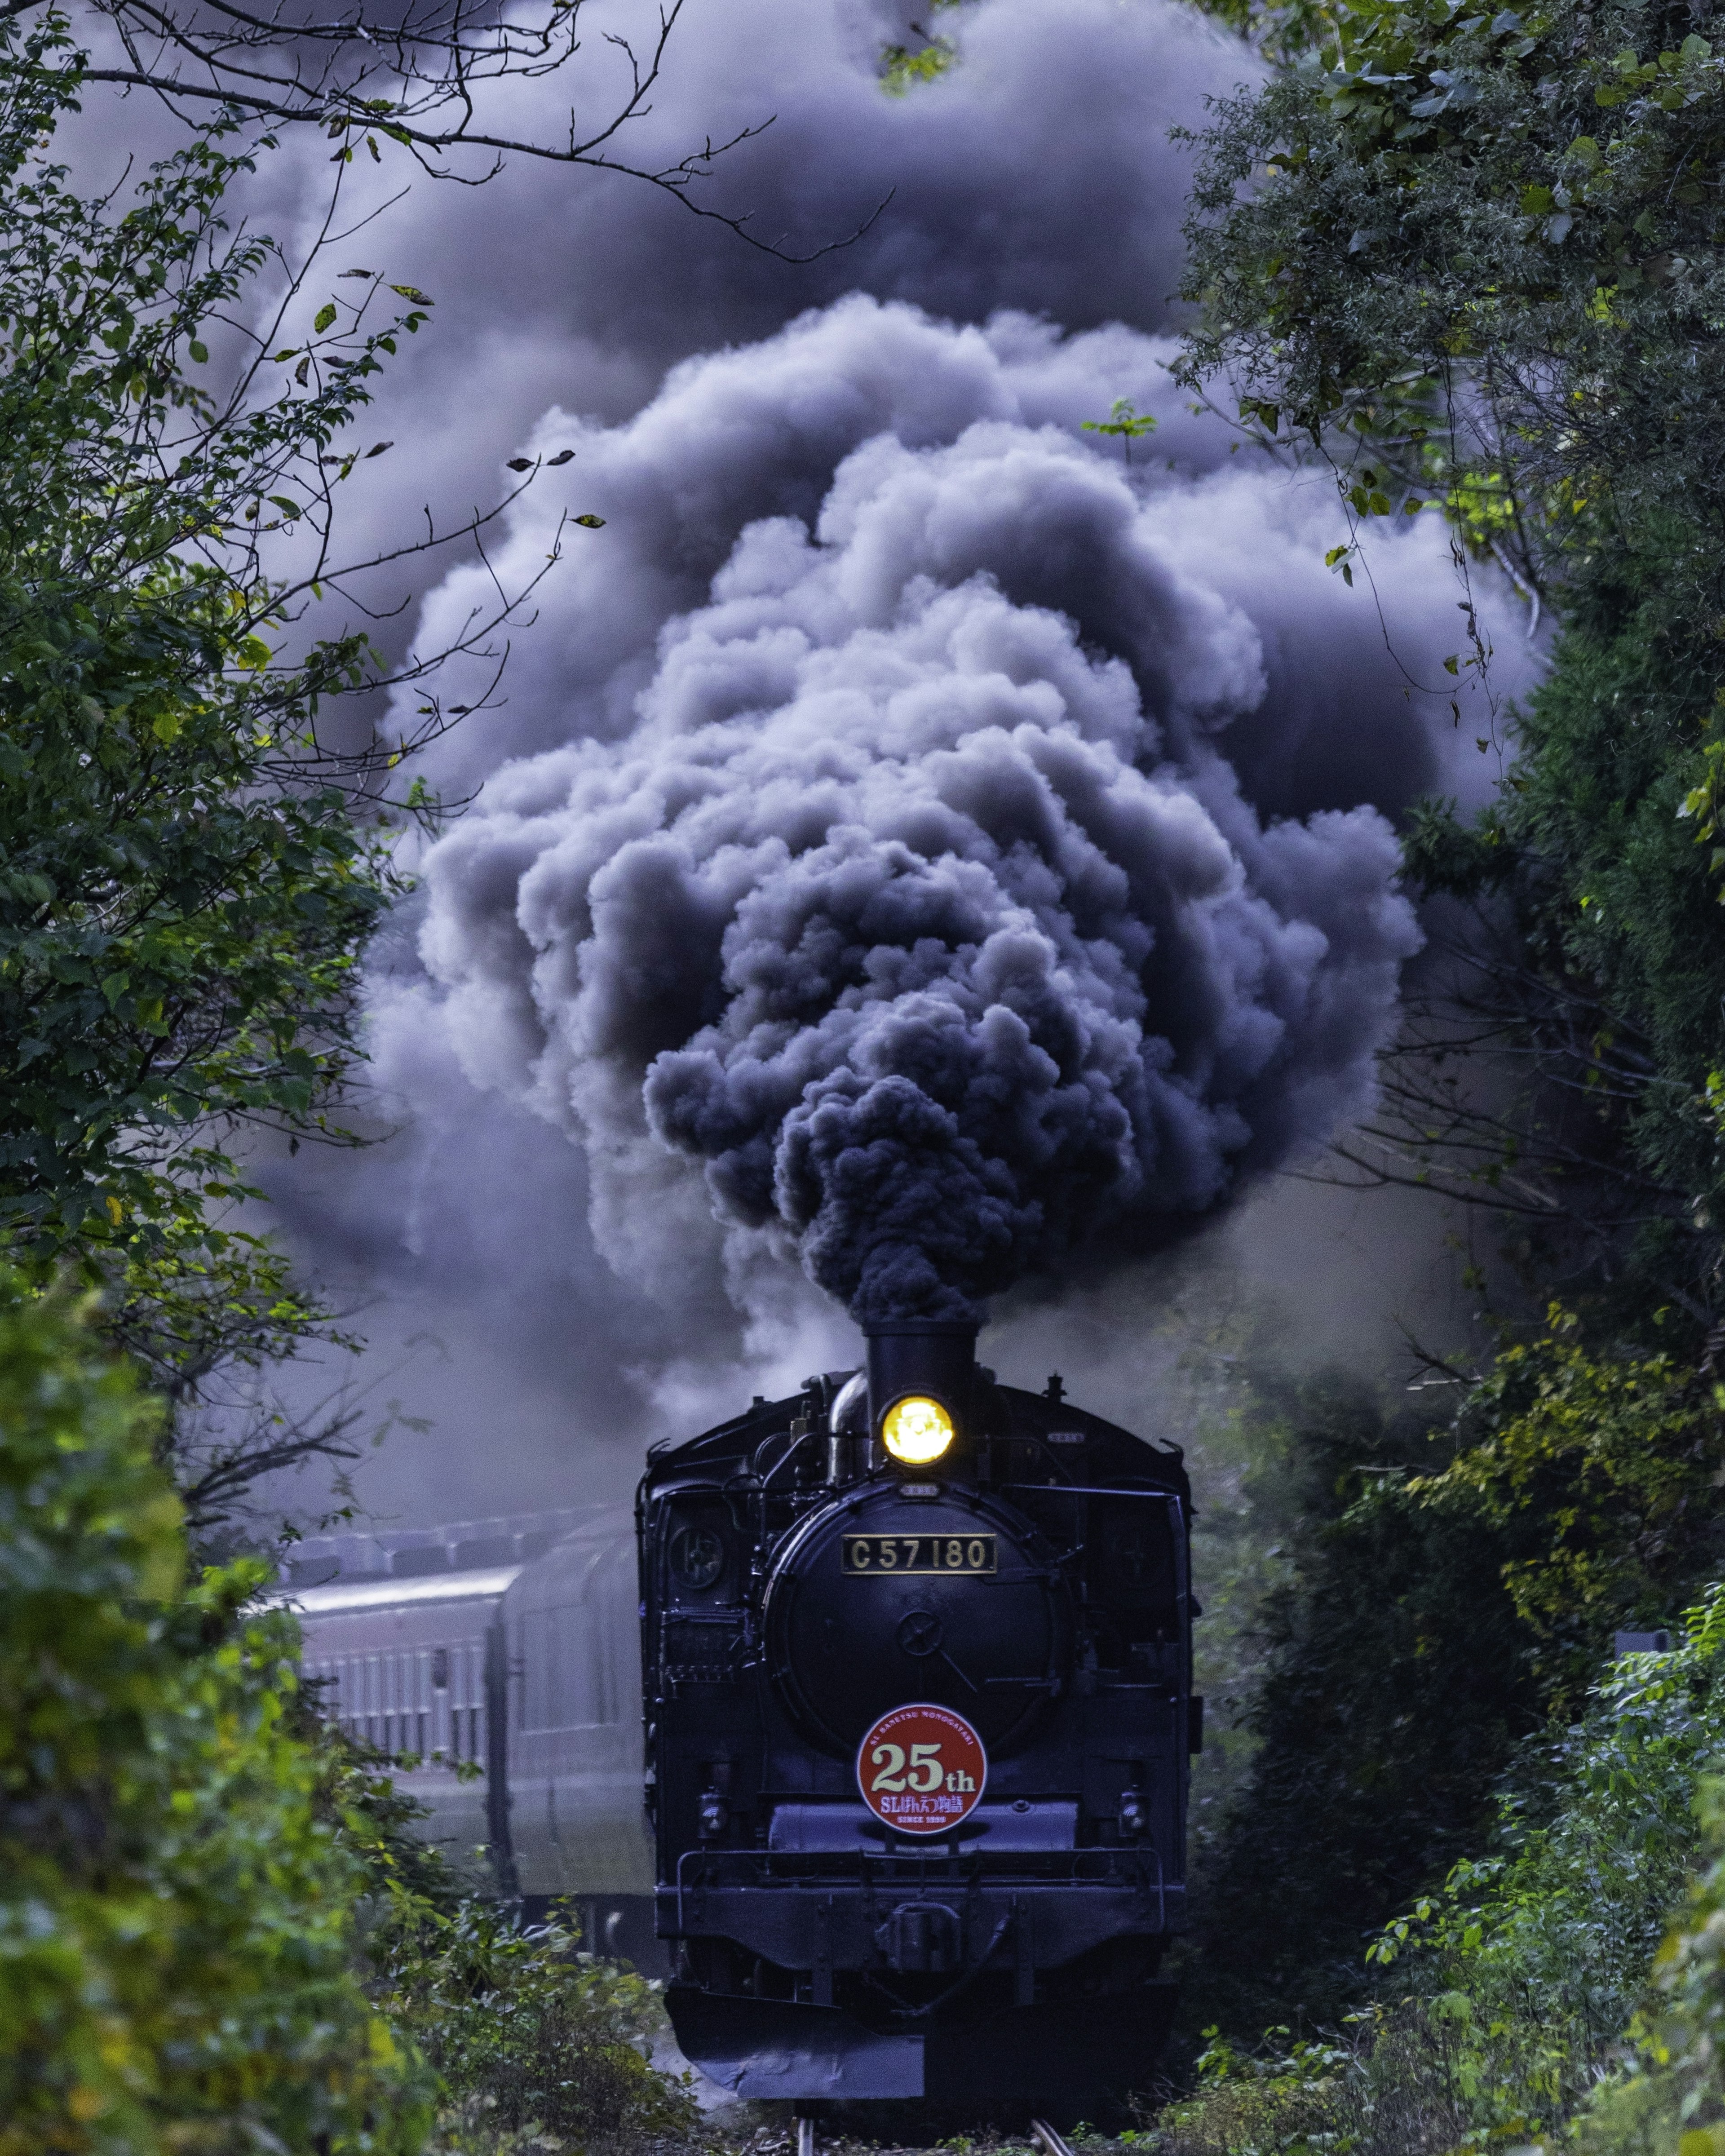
(410, 76)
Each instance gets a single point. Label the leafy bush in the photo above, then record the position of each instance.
(1543, 1949)
(1444, 1592)
(1671, 2101)
(194, 851)
(188, 882)
(1529, 1965)
(528, 2034)
(1601, 1472)
(178, 1946)
(1388, 2089)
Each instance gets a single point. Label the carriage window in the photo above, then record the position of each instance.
(571, 1665)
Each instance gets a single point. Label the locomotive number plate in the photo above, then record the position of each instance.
(876, 1556)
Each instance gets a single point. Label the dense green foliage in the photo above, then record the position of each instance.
(1589, 969)
(194, 850)
(1470, 261)
(178, 1962)
(1396, 1678)
(1447, 1592)
(1598, 1479)
(1482, 246)
(192, 853)
(185, 889)
(215, 1918)
(1673, 2096)
(1548, 1939)
(216, 1930)
(1528, 1964)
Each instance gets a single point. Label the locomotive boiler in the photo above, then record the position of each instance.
(916, 1662)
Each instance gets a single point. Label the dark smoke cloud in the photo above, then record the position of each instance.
(1179, 648)
(922, 900)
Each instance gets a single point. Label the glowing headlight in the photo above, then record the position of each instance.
(916, 1430)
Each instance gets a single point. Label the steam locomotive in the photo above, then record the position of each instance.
(916, 1657)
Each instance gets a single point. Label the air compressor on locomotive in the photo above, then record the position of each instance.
(917, 1655)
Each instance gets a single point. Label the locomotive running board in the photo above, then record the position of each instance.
(761, 2049)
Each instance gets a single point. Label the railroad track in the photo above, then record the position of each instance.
(1050, 2142)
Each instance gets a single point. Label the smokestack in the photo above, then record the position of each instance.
(932, 1356)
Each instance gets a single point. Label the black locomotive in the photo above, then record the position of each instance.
(917, 1655)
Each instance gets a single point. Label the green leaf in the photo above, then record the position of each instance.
(325, 316)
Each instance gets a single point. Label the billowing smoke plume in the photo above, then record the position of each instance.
(918, 896)
(1037, 175)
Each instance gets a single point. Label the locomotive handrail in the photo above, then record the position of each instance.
(1092, 1490)
(764, 1482)
(1149, 1849)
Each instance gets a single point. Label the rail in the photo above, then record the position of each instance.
(1045, 2138)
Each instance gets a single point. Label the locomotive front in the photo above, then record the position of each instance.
(916, 1663)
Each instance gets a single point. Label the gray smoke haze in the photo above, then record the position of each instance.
(1037, 175)
(908, 840)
